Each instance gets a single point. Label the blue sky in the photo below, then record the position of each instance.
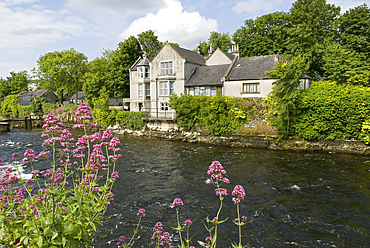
(31, 28)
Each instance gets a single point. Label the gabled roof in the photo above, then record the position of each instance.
(35, 93)
(253, 67)
(80, 95)
(228, 55)
(189, 56)
(140, 61)
(207, 75)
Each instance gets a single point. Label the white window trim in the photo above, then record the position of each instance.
(165, 88)
(172, 68)
(257, 86)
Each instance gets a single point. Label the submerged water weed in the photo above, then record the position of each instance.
(65, 207)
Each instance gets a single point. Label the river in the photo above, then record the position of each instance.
(294, 199)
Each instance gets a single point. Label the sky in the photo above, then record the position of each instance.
(32, 28)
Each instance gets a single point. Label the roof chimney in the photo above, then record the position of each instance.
(211, 50)
(235, 50)
(200, 50)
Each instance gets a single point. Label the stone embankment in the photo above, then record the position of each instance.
(267, 142)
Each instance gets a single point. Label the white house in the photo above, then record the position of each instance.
(176, 70)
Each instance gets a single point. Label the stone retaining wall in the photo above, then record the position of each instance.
(267, 142)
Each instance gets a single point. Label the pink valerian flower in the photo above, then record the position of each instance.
(238, 194)
(15, 155)
(77, 126)
(141, 212)
(1, 162)
(107, 135)
(122, 238)
(216, 171)
(243, 219)
(188, 222)
(114, 143)
(115, 176)
(208, 240)
(177, 201)
(83, 112)
(221, 192)
(29, 153)
(44, 154)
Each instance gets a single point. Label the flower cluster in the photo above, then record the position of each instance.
(216, 171)
(238, 194)
(160, 239)
(55, 199)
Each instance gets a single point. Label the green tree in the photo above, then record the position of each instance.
(15, 83)
(149, 43)
(312, 22)
(97, 77)
(217, 40)
(265, 35)
(286, 92)
(354, 29)
(121, 60)
(345, 66)
(63, 69)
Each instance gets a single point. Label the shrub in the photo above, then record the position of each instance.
(10, 104)
(218, 114)
(131, 120)
(47, 107)
(24, 110)
(331, 111)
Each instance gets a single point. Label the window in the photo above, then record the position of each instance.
(140, 89)
(166, 68)
(251, 87)
(147, 89)
(167, 88)
(164, 106)
(143, 72)
(205, 91)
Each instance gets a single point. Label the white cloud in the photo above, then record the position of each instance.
(348, 4)
(173, 24)
(25, 30)
(255, 6)
(122, 7)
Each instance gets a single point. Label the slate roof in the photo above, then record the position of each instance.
(207, 75)
(80, 95)
(189, 56)
(139, 62)
(249, 68)
(35, 93)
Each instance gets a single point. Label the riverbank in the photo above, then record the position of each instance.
(266, 142)
(169, 131)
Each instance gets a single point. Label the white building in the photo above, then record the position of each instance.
(176, 70)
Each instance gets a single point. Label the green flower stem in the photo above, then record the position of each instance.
(178, 224)
(135, 231)
(240, 227)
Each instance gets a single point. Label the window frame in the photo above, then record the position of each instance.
(166, 68)
(251, 88)
(166, 87)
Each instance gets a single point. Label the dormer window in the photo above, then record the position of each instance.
(167, 68)
(143, 72)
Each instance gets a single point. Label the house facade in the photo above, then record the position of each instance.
(153, 81)
(176, 70)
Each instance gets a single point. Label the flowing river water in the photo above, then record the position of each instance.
(294, 199)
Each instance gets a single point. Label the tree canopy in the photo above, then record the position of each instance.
(62, 70)
(14, 84)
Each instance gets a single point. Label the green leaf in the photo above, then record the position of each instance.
(48, 232)
(40, 241)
